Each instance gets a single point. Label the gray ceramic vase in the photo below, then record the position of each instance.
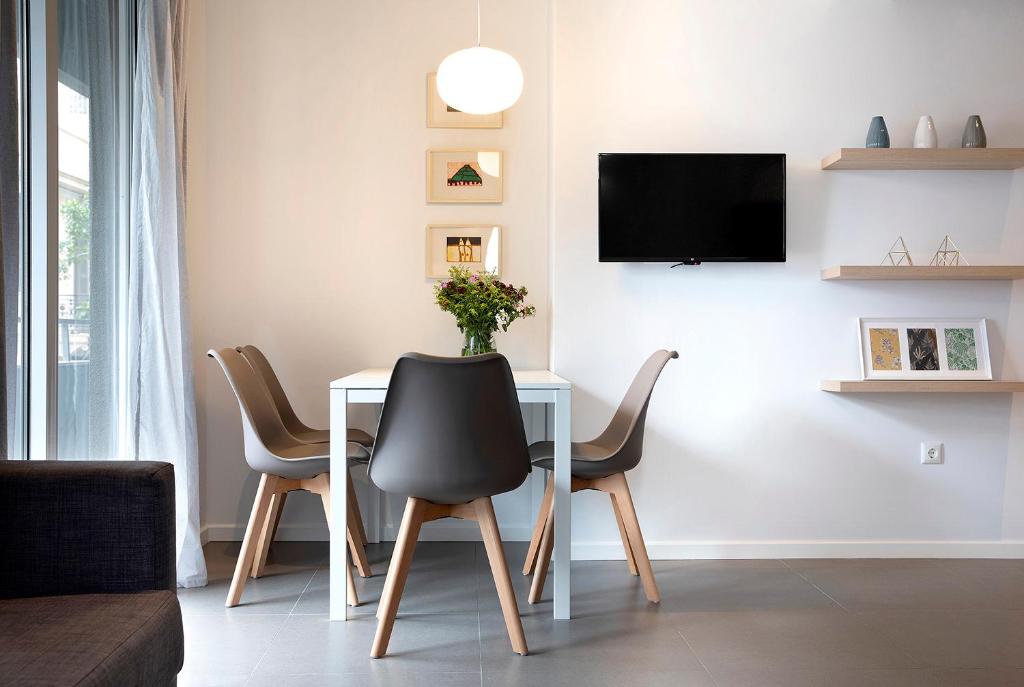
(974, 133)
(878, 134)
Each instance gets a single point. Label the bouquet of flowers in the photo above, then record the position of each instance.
(481, 303)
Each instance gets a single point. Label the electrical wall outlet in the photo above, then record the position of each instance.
(931, 453)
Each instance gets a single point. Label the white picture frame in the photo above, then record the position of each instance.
(483, 254)
(441, 116)
(924, 348)
(484, 169)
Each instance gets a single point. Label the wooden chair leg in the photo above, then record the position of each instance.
(540, 571)
(356, 543)
(257, 519)
(322, 487)
(353, 595)
(281, 497)
(268, 533)
(620, 488)
(401, 561)
(538, 527)
(630, 558)
(355, 516)
(499, 570)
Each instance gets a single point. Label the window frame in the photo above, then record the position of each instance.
(42, 212)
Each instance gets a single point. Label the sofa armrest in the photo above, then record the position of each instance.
(81, 527)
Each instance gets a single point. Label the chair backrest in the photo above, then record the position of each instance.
(262, 427)
(624, 435)
(266, 373)
(451, 430)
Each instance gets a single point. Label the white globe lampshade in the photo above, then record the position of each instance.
(479, 80)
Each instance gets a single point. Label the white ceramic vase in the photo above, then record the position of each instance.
(925, 136)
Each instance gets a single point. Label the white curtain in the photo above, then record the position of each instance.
(161, 394)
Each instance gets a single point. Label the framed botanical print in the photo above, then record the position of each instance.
(464, 176)
(441, 115)
(477, 247)
(924, 349)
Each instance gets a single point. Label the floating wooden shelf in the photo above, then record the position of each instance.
(925, 158)
(929, 273)
(899, 386)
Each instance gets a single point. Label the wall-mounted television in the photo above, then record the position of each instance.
(691, 207)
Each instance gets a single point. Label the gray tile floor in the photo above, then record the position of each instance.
(726, 623)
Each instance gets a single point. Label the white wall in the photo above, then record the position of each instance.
(293, 103)
(744, 455)
(307, 210)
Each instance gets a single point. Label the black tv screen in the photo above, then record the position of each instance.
(691, 207)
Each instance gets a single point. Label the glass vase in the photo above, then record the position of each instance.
(477, 343)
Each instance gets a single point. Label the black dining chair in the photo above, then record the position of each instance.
(450, 437)
(601, 464)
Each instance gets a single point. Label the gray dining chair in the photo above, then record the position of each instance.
(450, 437)
(601, 464)
(284, 464)
(305, 434)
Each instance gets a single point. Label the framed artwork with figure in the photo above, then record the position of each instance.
(476, 247)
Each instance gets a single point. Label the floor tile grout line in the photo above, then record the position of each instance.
(252, 673)
(808, 581)
(295, 605)
(699, 660)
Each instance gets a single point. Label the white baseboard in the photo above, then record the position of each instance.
(703, 550)
(680, 550)
(284, 533)
(430, 532)
(454, 532)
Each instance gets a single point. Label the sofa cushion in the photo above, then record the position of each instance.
(85, 527)
(91, 639)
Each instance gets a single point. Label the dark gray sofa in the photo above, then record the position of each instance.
(87, 574)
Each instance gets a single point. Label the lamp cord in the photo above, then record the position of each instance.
(478, 23)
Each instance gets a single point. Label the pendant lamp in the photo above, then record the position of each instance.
(479, 80)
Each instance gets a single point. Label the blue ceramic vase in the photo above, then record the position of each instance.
(974, 133)
(878, 134)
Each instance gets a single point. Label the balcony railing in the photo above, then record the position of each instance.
(72, 327)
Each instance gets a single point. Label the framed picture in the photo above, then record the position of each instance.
(464, 176)
(924, 349)
(476, 247)
(441, 115)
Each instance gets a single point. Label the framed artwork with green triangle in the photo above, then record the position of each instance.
(464, 176)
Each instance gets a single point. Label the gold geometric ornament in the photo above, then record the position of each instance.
(898, 254)
(948, 255)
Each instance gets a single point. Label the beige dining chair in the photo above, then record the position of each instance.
(601, 464)
(284, 463)
(292, 423)
(303, 433)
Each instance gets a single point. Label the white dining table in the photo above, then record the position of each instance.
(532, 386)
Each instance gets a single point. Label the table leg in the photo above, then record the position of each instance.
(339, 505)
(562, 507)
(374, 502)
